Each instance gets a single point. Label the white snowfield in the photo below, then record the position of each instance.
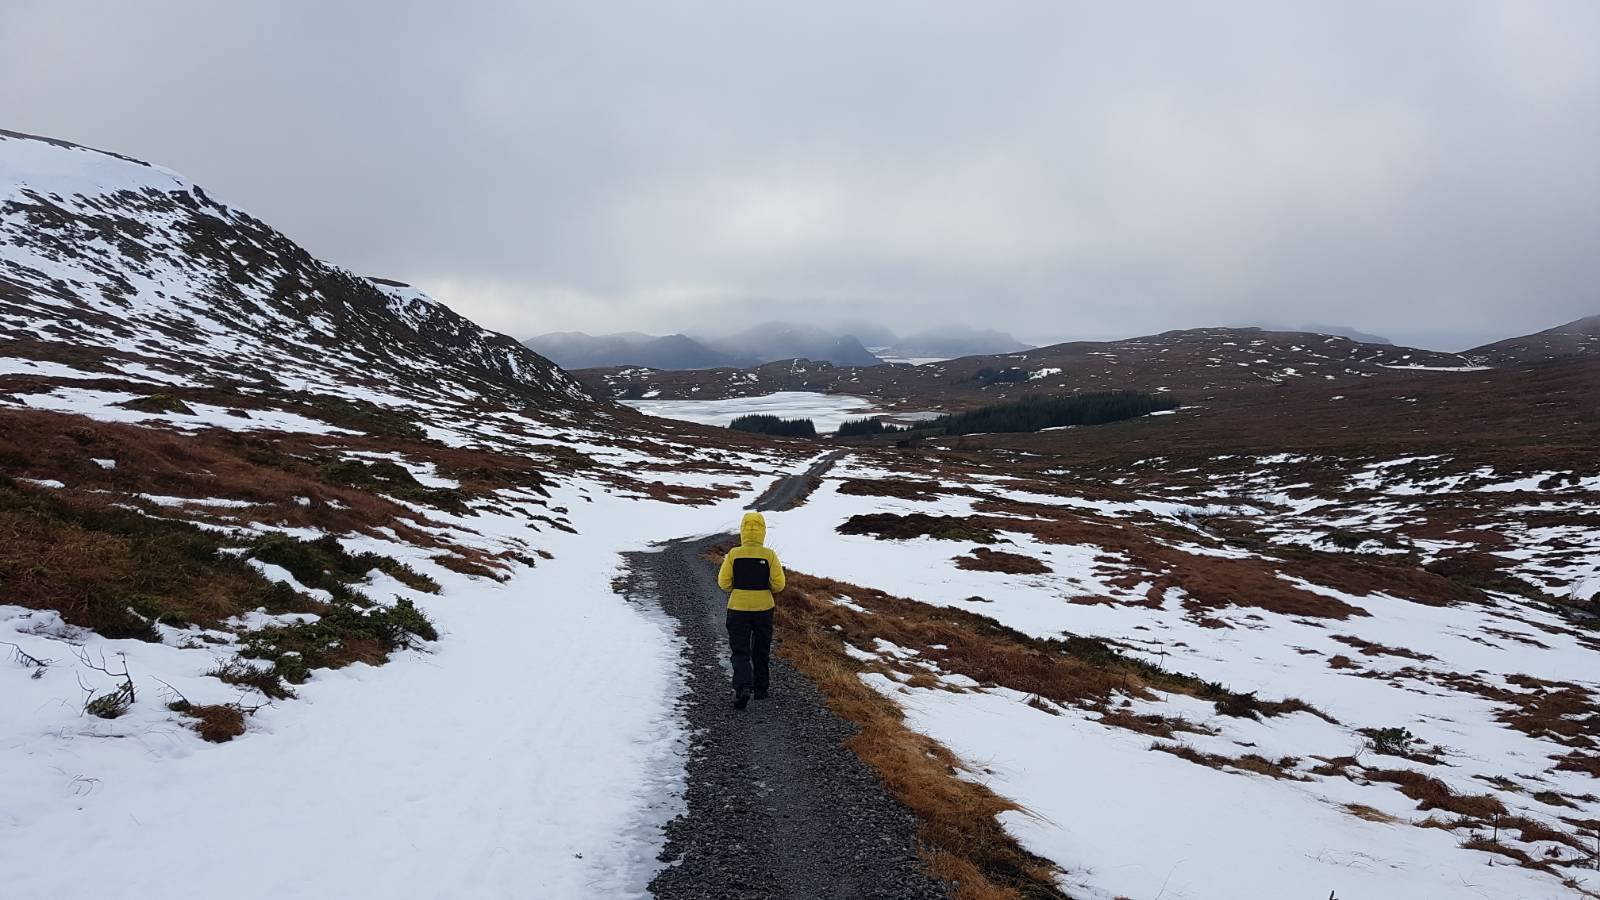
(826, 411)
(1123, 821)
(534, 750)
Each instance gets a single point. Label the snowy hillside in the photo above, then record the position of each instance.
(142, 274)
(1185, 701)
(300, 565)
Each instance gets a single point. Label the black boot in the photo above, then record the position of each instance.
(741, 699)
(761, 693)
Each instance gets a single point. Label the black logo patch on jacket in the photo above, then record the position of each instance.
(751, 573)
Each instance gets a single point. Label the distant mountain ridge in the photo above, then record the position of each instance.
(1580, 337)
(955, 341)
(1196, 363)
(774, 341)
(753, 346)
(764, 343)
(577, 350)
(1332, 330)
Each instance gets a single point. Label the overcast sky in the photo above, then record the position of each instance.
(1429, 171)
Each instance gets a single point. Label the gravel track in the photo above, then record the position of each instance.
(776, 807)
(786, 491)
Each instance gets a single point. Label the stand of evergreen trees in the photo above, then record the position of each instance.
(867, 428)
(761, 424)
(992, 375)
(1034, 413)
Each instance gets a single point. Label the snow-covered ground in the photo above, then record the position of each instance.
(533, 749)
(909, 360)
(535, 746)
(1123, 821)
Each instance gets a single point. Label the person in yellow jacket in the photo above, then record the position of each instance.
(750, 574)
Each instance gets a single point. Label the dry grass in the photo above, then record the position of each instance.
(1369, 814)
(901, 488)
(116, 563)
(683, 495)
(1431, 793)
(891, 526)
(1153, 725)
(290, 481)
(1369, 648)
(116, 571)
(1489, 845)
(218, 723)
(1559, 711)
(984, 559)
(1249, 762)
(963, 842)
(1532, 830)
(1586, 763)
(1214, 582)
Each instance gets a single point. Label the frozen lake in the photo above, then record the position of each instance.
(826, 411)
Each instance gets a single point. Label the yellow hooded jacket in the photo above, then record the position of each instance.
(745, 597)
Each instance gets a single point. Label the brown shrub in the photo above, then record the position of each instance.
(1431, 793)
(1489, 845)
(1212, 582)
(218, 723)
(1362, 811)
(683, 495)
(1560, 711)
(1249, 762)
(890, 526)
(985, 560)
(1334, 765)
(1368, 648)
(1586, 763)
(1532, 830)
(116, 571)
(900, 488)
(1551, 798)
(274, 473)
(1153, 725)
(964, 842)
(242, 674)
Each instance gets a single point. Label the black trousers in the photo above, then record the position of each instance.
(750, 636)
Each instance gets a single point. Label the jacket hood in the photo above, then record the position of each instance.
(753, 530)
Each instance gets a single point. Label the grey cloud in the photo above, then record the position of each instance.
(1421, 170)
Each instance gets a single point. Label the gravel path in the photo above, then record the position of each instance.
(776, 807)
(786, 491)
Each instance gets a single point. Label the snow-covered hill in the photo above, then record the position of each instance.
(130, 270)
(301, 566)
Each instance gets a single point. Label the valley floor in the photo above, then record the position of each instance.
(1183, 747)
